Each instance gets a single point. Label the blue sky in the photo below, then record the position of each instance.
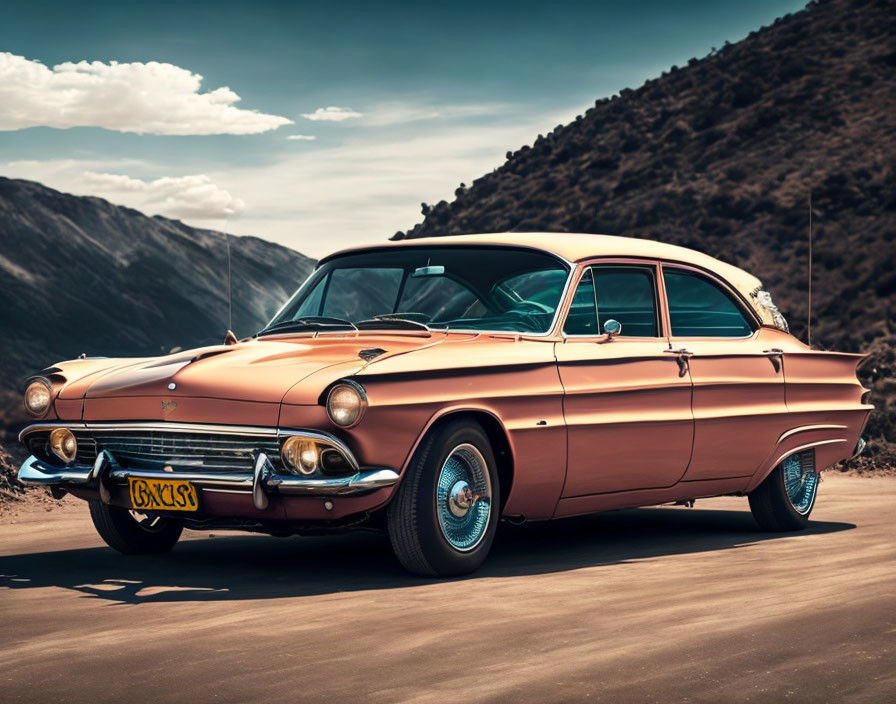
(318, 125)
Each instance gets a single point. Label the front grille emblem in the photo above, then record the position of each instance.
(168, 406)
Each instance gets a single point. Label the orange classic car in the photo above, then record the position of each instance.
(433, 387)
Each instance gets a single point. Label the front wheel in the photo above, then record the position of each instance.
(785, 499)
(443, 518)
(131, 532)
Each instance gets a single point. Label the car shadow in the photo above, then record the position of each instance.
(240, 567)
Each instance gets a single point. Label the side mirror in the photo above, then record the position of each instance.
(612, 328)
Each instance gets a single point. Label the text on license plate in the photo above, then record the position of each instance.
(164, 494)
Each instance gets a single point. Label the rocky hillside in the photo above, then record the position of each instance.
(83, 275)
(721, 155)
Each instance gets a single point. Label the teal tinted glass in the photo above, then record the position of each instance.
(699, 308)
(582, 316)
(628, 295)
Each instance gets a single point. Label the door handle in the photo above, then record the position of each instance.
(773, 354)
(682, 359)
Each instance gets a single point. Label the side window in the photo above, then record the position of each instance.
(582, 316)
(627, 294)
(699, 308)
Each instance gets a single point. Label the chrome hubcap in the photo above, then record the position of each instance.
(460, 499)
(801, 484)
(463, 498)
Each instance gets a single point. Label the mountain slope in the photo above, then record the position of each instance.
(82, 275)
(722, 155)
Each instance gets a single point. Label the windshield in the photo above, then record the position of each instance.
(468, 288)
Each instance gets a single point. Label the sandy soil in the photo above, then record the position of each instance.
(666, 604)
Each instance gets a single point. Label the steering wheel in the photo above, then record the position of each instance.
(533, 307)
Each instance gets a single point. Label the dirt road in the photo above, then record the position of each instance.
(666, 604)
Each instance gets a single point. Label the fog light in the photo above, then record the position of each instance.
(63, 444)
(37, 397)
(300, 454)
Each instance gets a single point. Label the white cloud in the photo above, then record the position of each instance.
(332, 114)
(372, 184)
(146, 98)
(180, 197)
(396, 113)
(302, 137)
(361, 189)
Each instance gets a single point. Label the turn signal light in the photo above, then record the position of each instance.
(63, 444)
(300, 454)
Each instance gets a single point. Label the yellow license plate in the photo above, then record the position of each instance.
(162, 494)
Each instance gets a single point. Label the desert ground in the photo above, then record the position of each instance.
(662, 604)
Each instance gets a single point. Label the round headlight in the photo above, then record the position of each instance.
(346, 403)
(300, 454)
(63, 444)
(37, 397)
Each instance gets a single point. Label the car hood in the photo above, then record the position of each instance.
(261, 370)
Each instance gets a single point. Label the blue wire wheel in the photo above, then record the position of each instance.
(464, 498)
(800, 484)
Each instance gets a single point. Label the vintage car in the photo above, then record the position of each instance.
(432, 387)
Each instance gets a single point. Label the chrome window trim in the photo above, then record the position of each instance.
(658, 310)
(732, 292)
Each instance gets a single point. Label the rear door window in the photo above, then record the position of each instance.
(700, 308)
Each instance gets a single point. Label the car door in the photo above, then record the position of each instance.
(738, 382)
(627, 401)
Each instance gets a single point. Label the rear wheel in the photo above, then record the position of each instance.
(443, 518)
(785, 499)
(131, 532)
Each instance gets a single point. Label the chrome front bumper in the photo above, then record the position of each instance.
(261, 482)
(36, 472)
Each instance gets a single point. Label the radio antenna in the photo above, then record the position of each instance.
(230, 284)
(809, 320)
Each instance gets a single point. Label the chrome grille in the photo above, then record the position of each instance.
(182, 451)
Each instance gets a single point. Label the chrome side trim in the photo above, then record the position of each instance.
(808, 429)
(805, 447)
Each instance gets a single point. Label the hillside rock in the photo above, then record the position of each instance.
(83, 275)
(721, 156)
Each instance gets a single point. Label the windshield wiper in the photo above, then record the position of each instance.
(311, 322)
(392, 322)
